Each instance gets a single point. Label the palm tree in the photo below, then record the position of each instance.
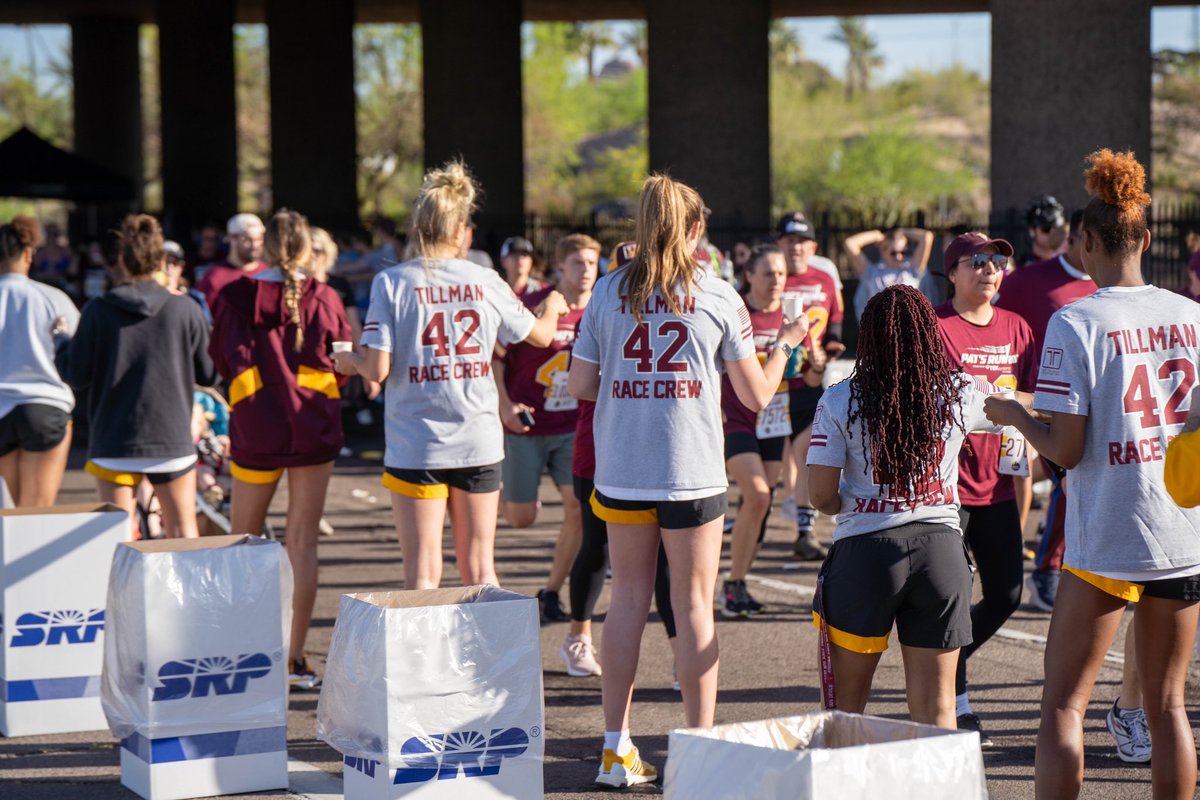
(636, 39)
(785, 44)
(863, 53)
(590, 37)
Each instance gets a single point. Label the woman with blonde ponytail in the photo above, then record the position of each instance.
(1118, 368)
(430, 331)
(650, 351)
(272, 341)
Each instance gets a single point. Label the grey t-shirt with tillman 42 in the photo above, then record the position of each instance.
(439, 319)
(868, 507)
(658, 413)
(1126, 358)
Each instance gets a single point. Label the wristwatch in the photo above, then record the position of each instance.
(786, 348)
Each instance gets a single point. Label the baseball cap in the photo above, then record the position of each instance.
(968, 244)
(794, 224)
(622, 254)
(244, 223)
(516, 244)
(172, 249)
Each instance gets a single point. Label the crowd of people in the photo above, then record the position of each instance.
(641, 384)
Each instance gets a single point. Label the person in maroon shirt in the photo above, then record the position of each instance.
(997, 346)
(533, 381)
(822, 301)
(245, 236)
(754, 443)
(1034, 293)
(272, 341)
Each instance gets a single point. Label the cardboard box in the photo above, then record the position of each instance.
(825, 754)
(436, 694)
(53, 584)
(195, 665)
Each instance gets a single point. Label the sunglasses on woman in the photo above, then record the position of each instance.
(980, 260)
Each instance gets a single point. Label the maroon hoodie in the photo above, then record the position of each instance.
(286, 404)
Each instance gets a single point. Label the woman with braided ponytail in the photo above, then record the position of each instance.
(884, 459)
(272, 341)
(1117, 371)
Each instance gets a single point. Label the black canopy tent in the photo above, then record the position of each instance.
(32, 167)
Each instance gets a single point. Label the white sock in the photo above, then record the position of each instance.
(961, 705)
(618, 741)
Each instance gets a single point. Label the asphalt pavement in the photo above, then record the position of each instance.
(768, 669)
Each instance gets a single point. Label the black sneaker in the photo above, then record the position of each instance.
(301, 676)
(551, 608)
(752, 604)
(735, 600)
(970, 722)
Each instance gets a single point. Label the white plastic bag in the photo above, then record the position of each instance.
(437, 685)
(197, 637)
(827, 754)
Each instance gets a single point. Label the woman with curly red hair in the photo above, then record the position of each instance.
(1116, 374)
(884, 459)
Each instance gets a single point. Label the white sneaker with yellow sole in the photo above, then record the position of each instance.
(618, 772)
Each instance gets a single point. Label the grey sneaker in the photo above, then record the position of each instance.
(579, 654)
(807, 549)
(1129, 729)
(970, 722)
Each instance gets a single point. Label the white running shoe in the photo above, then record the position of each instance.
(788, 509)
(579, 654)
(1129, 728)
(619, 772)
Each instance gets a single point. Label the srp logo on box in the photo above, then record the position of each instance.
(58, 627)
(473, 753)
(218, 675)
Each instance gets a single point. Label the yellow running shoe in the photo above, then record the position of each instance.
(619, 772)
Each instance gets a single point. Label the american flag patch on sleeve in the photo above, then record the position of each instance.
(744, 321)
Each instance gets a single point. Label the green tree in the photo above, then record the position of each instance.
(589, 37)
(785, 44)
(253, 97)
(862, 49)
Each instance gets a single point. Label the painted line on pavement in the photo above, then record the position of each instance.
(312, 782)
(804, 591)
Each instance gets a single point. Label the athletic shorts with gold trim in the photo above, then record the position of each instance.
(134, 478)
(669, 514)
(916, 577)
(426, 484)
(255, 475)
(1186, 588)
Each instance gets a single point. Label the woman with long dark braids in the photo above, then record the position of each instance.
(884, 459)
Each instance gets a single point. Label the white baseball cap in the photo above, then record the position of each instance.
(244, 223)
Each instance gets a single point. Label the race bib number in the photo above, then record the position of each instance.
(776, 419)
(553, 375)
(1014, 458)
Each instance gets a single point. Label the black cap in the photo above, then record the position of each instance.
(794, 224)
(516, 244)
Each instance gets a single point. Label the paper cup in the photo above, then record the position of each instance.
(343, 347)
(793, 307)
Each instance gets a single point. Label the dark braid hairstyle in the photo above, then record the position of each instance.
(905, 389)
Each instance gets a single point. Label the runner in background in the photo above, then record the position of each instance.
(516, 257)
(244, 233)
(430, 332)
(272, 342)
(1034, 293)
(896, 264)
(1046, 221)
(754, 442)
(1116, 373)
(539, 416)
(823, 305)
(1182, 470)
(649, 351)
(884, 459)
(587, 574)
(996, 346)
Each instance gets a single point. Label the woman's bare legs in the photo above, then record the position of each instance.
(473, 520)
(1166, 632)
(306, 504)
(633, 556)
(419, 523)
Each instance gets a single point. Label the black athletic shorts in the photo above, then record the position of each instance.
(664, 513)
(425, 484)
(802, 404)
(34, 428)
(916, 576)
(740, 442)
(1186, 588)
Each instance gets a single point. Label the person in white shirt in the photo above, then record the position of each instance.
(1117, 370)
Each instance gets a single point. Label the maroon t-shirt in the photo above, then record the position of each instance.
(1035, 292)
(537, 376)
(820, 296)
(583, 455)
(766, 324)
(220, 275)
(1002, 353)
